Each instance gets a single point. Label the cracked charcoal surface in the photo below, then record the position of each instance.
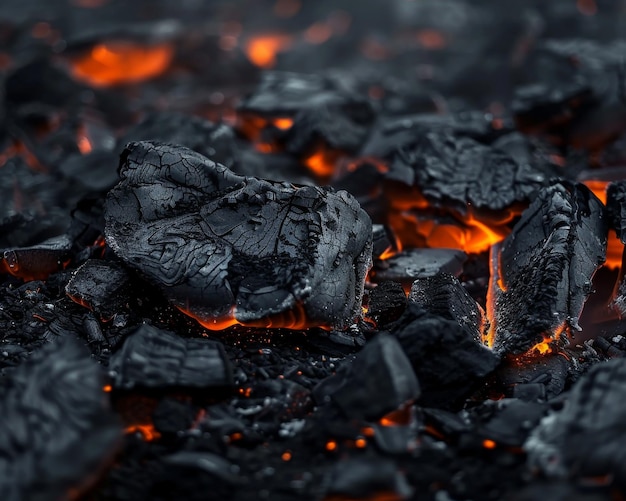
(215, 241)
(443, 295)
(57, 426)
(616, 208)
(154, 358)
(546, 265)
(449, 169)
(586, 438)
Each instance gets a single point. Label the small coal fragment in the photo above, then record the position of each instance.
(541, 273)
(386, 303)
(101, 286)
(407, 266)
(513, 421)
(616, 208)
(380, 239)
(226, 248)
(363, 478)
(586, 438)
(456, 171)
(155, 358)
(443, 295)
(57, 428)
(447, 360)
(215, 141)
(36, 262)
(378, 381)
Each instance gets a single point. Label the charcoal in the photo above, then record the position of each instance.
(222, 246)
(155, 358)
(616, 208)
(585, 439)
(386, 303)
(513, 422)
(456, 171)
(95, 172)
(380, 240)
(378, 381)
(36, 262)
(57, 426)
(618, 300)
(172, 416)
(214, 141)
(359, 478)
(444, 296)
(101, 286)
(542, 271)
(407, 266)
(447, 360)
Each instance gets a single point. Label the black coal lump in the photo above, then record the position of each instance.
(155, 358)
(447, 360)
(586, 437)
(223, 246)
(386, 303)
(57, 427)
(379, 380)
(546, 265)
(616, 208)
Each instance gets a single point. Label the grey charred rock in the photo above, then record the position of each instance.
(616, 207)
(221, 245)
(545, 266)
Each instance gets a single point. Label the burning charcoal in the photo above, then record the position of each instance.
(361, 478)
(456, 171)
(381, 240)
(215, 141)
(227, 249)
(448, 362)
(154, 358)
(541, 274)
(378, 381)
(513, 421)
(309, 109)
(616, 208)
(101, 286)
(36, 262)
(407, 266)
(386, 303)
(443, 295)
(57, 426)
(586, 438)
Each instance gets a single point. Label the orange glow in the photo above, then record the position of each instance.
(262, 50)
(431, 39)
(286, 456)
(118, 63)
(598, 188)
(107, 388)
(489, 444)
(399, 417)
(361, 443)
(331, 445)
(614, 251)
(545, 346)
(283, 123)
(147, 431)
(587, 7)
(494, 289)
(322, 162)
(83, 142)
(317, 33)
(368, 431)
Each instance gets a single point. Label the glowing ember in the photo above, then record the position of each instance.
(262, 50)
(148, 432)
(283, 123)
(598, 187)
(614, 251)
(399, 417)
(118, 63)
(331, 445)
(286, 456)
(489, 444)
(322, 163)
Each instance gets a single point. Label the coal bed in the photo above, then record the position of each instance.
(314, 251)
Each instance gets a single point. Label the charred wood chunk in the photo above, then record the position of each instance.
(386, 303)
(226, 248)
(443, 295)
(57, 428)
(457, 171)
(616, 208)
(541, 274)
(447, 360)
(586, 438)
(379, 380)
(101, 286)
(154, 358)
(216, 141)
(36, 262)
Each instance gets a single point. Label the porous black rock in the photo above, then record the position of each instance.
(57, 427)
(155, 358)
(224, 247)
(447, 360)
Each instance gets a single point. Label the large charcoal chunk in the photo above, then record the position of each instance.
(541, 276)
(586, 438)
(36, 262)
(446, 358)
(154, 358)
(444, 295)
(378, 381)
(57, 427)
(616, 207)
(223, 246)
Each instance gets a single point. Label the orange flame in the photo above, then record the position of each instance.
(148, 432)
(598, 187)
(119, 62)
(262, 50)
(489, 444)
(322, 162)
